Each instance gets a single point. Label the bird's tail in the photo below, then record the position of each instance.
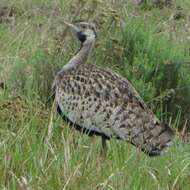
(158, 139)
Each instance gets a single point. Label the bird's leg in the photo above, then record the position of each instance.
(104, 146)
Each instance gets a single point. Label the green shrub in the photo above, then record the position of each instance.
(157, 67)
(35, 76)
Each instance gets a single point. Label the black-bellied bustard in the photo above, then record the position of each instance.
(99, 101)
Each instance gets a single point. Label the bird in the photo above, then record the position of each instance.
(98, 101)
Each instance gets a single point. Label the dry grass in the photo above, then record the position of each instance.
(37, 149)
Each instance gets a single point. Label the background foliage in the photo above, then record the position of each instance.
(145, 43)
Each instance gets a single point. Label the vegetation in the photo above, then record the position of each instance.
(146, 44)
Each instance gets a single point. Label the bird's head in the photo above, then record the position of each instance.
(84, 31)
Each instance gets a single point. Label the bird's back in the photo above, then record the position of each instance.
(102, 101)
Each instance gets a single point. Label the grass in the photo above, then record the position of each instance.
(144, 45)
(67, 160)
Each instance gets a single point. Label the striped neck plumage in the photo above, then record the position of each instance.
(82, 55)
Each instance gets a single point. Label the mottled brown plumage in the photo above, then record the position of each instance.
(99, 101)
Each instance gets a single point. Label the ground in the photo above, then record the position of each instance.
(40, 151)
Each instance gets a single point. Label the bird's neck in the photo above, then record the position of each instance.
(81, 57)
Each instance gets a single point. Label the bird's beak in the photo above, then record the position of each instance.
(73, 28)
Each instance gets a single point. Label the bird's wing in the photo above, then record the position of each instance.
(101, 100)
(116, 87)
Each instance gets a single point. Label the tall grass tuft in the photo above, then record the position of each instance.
(157, 67)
